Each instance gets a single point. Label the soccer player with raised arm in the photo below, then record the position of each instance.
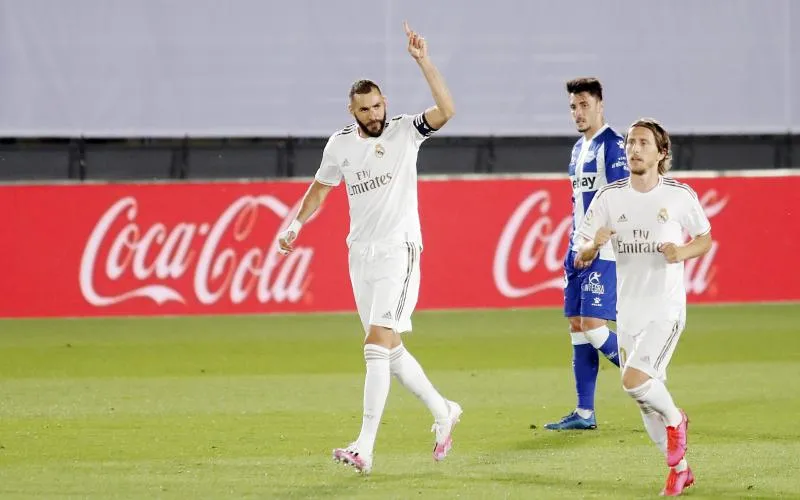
(646, 219)
(598, 158)
(377, 158)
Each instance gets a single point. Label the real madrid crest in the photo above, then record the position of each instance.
(663, 216)
(379, 151)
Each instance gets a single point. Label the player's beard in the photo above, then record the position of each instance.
(381, 125)
(586, 123)
(639, 168)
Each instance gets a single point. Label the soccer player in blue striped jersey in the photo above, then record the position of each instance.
(590, 290)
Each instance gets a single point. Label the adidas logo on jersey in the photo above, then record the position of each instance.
(387, 315)
(622, 218)
(345, 163)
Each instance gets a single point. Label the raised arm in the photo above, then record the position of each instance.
(437, 115)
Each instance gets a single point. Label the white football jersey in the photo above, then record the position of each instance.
(648, 287)
(381, 178)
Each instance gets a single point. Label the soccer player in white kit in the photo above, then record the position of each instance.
(377, 158)
(646, 217)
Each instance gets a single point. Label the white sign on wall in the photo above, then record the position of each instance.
(277, 68)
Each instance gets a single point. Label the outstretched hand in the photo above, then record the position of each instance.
(416, 43)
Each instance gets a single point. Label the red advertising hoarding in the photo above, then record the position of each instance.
(208, 248)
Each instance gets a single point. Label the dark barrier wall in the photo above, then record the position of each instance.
(279, 158)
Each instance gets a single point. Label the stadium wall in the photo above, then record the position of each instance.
(107, 249)
(139, 159)
(173, 69)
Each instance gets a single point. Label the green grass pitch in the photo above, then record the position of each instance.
(251, 406)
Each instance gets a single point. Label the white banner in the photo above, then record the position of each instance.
(276, 68)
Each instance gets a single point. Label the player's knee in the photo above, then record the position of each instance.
(575, 325)
(633, 378)
(591, 323)
(380, 335)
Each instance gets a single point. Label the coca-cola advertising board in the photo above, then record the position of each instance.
(209, 248)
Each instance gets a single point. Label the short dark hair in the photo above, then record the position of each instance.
(663, 143)
(586, 84)
(363, 87)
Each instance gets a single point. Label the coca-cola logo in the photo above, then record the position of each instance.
(699, 273)
(540, 242)
(223, 257)
(533, 243)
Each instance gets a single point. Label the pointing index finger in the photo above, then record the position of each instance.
(406, 27)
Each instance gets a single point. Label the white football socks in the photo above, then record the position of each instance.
(654, 425)
(376, 391)
(579, 338)
(682, 465)
(598, 336)
(409, 372)
(655, 395)
(655, 403)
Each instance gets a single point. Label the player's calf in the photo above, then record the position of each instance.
(411, 375)
(653, 394)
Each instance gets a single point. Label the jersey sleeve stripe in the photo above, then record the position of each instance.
(325, 182)
(703, 233)
(608, 187)
(676, 184)
(348, 129)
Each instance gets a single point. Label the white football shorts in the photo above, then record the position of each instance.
(650, 349)
(385, 280)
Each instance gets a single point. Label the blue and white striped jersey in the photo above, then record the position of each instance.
(595, 163)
